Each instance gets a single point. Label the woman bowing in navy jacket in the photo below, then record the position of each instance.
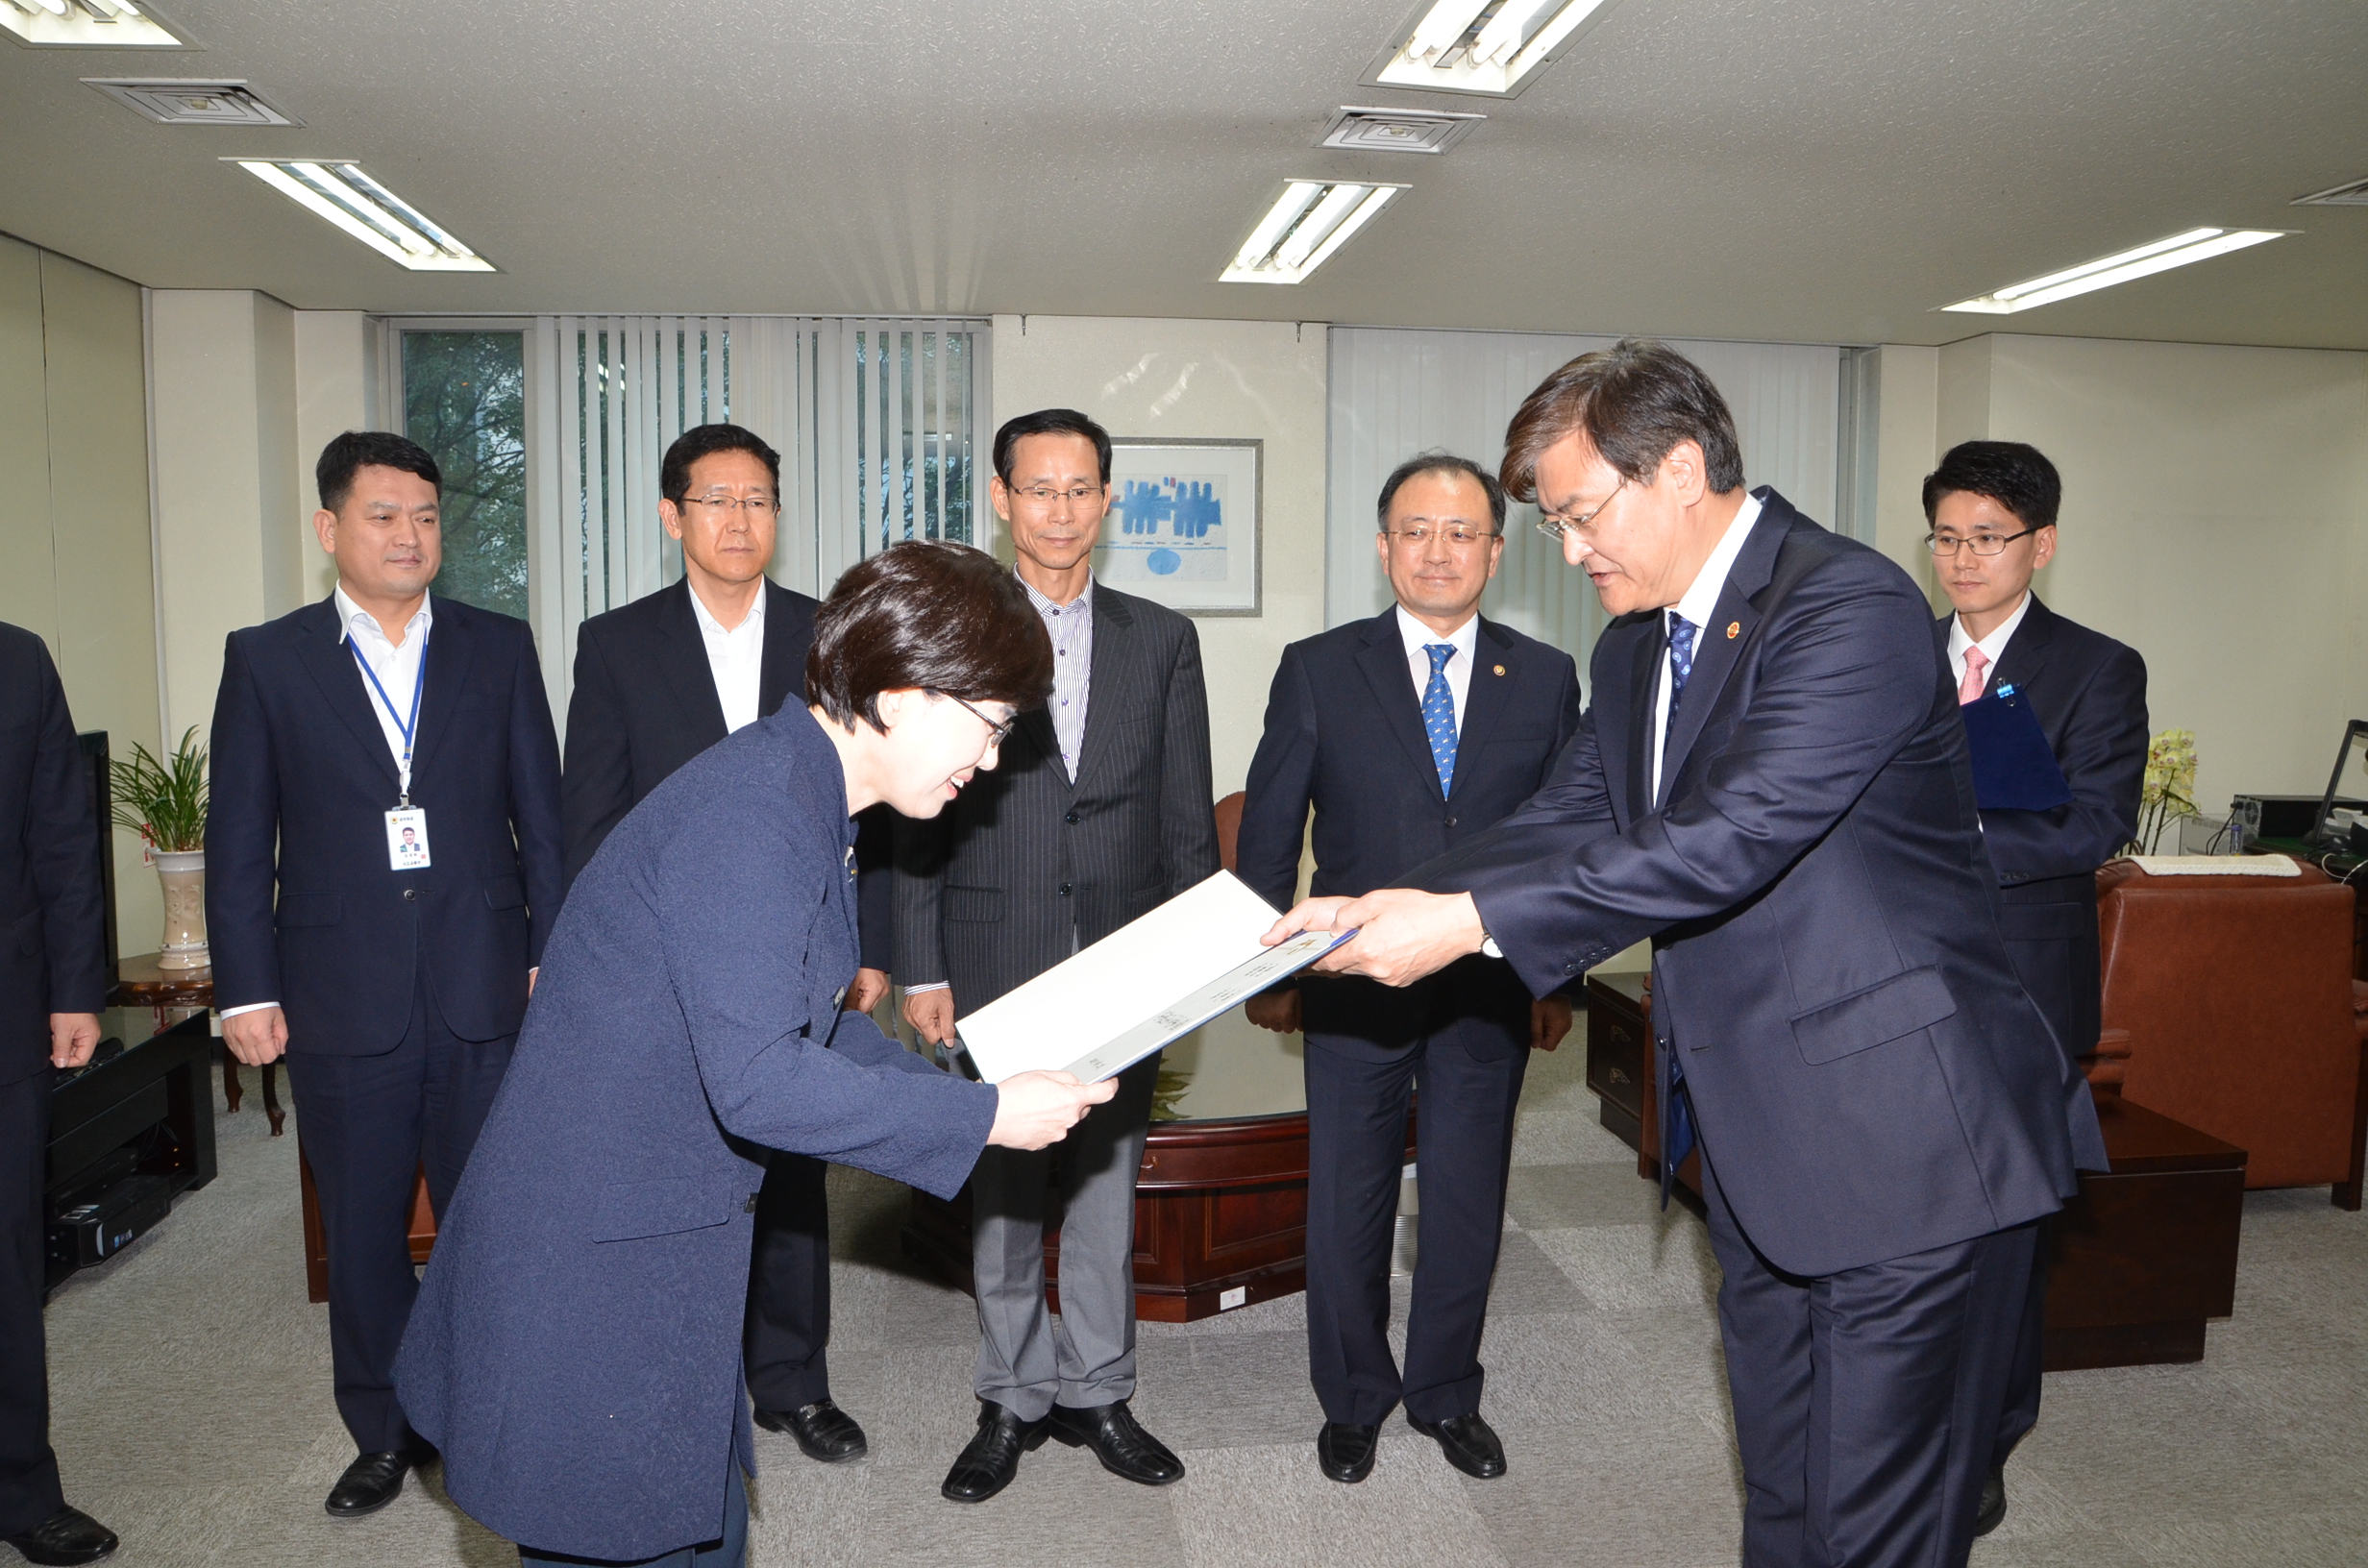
(575, 1352)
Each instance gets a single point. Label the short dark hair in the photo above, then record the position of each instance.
(1049, 422)
(674, 472)
(929, 614)
(1635, 400)
(2012, 474)
(356, 450)
(1443, 462)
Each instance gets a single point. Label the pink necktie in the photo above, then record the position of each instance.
(1970, 688)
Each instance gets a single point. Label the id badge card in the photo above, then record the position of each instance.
(406, 839)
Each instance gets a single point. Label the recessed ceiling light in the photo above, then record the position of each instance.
(86, 24)
(2353, 194)
(1397, 129)
(349, 198)
(2176, 251)
(193, 103)
(1492, 47)
(1310, 220)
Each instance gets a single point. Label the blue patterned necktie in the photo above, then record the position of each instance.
(1682, 1138)
(1439, 715)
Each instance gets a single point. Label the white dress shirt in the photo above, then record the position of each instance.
(1698, 604)
(1465, 638)
(736, 658)
(1990, 646)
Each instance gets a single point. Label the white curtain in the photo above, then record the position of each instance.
(876, 421)
(1396, 393)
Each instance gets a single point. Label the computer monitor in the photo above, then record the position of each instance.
(2353, 754)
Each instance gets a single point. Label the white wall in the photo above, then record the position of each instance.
(1184, 379)
(336, 380)
(2215, 518)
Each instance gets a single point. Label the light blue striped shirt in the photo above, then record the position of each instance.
(1071, 626)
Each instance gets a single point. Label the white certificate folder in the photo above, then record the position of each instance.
(1144, 985)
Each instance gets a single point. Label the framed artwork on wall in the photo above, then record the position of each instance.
(1183, 523)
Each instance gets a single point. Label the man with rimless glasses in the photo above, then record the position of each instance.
(1993, 508)
(1099, 813)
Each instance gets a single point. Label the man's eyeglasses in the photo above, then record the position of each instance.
(1553, 527)
(996, 733)
(1076, 495)
(1462, 535)
(757, 506)
(1945, 545)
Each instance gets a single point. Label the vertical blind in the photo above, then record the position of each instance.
(876, 421)
(1396, 393)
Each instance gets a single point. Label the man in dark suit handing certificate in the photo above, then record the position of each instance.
(1773, 786)
(1407, 734)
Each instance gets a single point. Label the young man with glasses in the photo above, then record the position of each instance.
(1993, 508)
(657, 682)
(1099, 813)
(1433, 724)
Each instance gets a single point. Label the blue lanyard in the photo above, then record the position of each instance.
(405, 729)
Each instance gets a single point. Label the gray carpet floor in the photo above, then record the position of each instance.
(191, 1386)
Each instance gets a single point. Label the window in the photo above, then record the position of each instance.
(464, 400)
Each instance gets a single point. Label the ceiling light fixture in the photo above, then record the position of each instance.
(85, 24)
(2176, 251)
(1309, 221)
(1490, 47)
(349, 198)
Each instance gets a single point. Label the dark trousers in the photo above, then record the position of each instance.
(730, 1551)
(368, 1124)
(29, 1490)
(1866, 1403)
(1356, 1132)
(785, 1342)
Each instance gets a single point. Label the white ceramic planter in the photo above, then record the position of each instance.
(183, 871)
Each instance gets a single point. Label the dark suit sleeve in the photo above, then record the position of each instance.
(534, 795)
(243, 832)
(63, 839)
(722, 915)
(1187, 805)
(918, 881)
(1282, 784)
(2102, 754)
(875, 889)
(595, 789)
(1845, 681)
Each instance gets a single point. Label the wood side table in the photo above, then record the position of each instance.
(177, 994)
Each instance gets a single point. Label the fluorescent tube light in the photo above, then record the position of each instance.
(85, 24)
(2160, 256)
(1309, 221)
(1490, 47)
(356, 203)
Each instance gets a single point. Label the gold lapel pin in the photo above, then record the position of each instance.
(1735, 630)
(1501, 669)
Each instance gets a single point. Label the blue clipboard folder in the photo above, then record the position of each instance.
(2013, 767)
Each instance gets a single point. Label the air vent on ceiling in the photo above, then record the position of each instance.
(193, 103)
(1397, 129)
(2355, 194)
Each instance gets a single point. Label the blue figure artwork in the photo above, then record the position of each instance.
(1163, 562)
(1171, 528)
(1197, 509)
(1142, 506)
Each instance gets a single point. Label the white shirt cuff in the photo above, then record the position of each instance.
(251, 1007)
(933, 985)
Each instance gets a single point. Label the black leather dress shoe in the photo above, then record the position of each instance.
(991, 1458)
(67, 1536)
(1118, 1439)
(1469, 1443)
(369, 1483)
(823, 1430)
(1345, 1450)
(1994, 1509)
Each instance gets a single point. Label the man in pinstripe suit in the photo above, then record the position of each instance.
(1099, 813)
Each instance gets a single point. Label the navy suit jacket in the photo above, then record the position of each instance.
(2088, 692)
(53, 935)
(302, 781)
(575, 1352)
(1358, 755)
(1865, 1070)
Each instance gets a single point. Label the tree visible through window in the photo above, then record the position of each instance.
(464, 400)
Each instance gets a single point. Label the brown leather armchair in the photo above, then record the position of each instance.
(2236, 995)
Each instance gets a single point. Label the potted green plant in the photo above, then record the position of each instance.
(164, 802)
